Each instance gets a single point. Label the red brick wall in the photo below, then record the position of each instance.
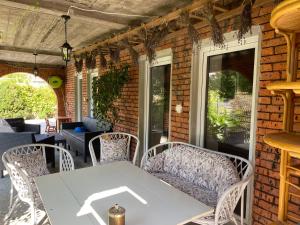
(273, 62)
(44, 73)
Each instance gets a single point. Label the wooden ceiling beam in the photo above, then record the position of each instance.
(58, 9)
(155, 22)
(28, 50)
(30, 65)
(196, 5)
(220, 9)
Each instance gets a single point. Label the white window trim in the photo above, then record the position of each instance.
(163, 57)
(92, 73)
(198, 92)
(78, 109)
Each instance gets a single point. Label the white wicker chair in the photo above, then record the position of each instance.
(131, 139)
(224, 211)
(22, 183)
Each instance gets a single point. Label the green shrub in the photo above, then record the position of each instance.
(20, 99)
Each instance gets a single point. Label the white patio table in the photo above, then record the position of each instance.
(83, 197)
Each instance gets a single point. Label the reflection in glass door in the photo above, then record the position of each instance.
(159, 104)
(229, 102)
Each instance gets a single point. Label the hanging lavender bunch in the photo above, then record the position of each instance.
(245, 19)
(217, 33)
(103, 61)
(114, 53)
(152, 38)
(90, 60)
(133, 53)
(185, 20)
(78, 63)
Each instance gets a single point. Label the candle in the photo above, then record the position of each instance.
(116, 215)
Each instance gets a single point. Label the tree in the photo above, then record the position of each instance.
(20, 99)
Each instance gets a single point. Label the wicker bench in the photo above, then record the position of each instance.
(214, 178)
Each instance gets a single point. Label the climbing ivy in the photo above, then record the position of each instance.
(106, 90)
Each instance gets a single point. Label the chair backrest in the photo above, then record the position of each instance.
(227, 202)
(114, 136)
(22, 183)
(47, 122)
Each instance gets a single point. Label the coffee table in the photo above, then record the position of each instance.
(59, 139)
(84, 196)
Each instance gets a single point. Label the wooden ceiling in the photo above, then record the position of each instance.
(26, 25)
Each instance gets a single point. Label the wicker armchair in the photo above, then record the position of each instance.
(22, 181)
(114, 146)
(226, 200)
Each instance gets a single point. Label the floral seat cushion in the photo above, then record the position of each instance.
(113, 150)
(208, 197)
(212, 174)
(205, 169)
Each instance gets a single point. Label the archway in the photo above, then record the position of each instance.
(27, 96)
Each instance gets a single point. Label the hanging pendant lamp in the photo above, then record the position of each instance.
(66, 48)
(35, 70)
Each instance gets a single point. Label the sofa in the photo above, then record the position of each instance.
(17, 125)
(10, 140)
(215, 179)
(14, 132)
(78, 141)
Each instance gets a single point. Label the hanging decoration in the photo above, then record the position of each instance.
(245, 19)
(185, 20)
(55, 82)
(78, 63)
(90, 60)
(152, 38)
(114, 53)
(209, 15)
(35, 70)
(66, 48)
(152, 33)
(133, 53)
(103, 61)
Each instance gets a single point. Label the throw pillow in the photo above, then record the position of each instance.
(113, 150)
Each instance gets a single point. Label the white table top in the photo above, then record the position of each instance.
(83, 197)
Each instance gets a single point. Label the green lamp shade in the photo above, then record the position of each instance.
(55, 81)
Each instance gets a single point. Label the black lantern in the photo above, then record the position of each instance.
(66, 48)
(35, 70)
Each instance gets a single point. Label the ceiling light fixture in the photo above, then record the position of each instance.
(66, 48)
(35, 70)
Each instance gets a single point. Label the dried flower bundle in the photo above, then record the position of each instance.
(217, 34)
(103, 61)
(90, 60)
(114, 53)
(133, 53)
(185, 20)
(152, 37)
(245, 19)
(78, 63)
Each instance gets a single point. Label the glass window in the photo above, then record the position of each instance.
(159, 104)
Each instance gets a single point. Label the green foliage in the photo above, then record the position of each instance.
(106, 90)
(219, 118)
(228, 82)
(20, 99)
